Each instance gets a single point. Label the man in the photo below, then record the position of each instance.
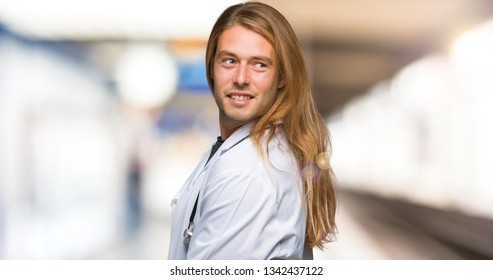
(265, 189)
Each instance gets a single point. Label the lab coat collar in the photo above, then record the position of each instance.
(239, 135)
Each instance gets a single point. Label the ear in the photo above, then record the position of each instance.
(282, 82)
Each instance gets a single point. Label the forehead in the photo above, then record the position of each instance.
(241, 41)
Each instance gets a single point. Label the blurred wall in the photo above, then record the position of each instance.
(60, 165)
(425, 135)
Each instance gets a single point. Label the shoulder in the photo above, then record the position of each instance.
(244, 163)
(236, 175)
(247, 157)
(240, 157)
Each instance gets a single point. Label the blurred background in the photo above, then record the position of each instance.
(105, 110)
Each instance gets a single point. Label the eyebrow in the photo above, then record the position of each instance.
(260, 57)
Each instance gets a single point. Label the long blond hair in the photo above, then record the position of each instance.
(293, 113)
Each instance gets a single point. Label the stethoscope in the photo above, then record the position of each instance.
(188, 232)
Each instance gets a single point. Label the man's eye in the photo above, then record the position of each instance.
(260, 65)
(229, 61)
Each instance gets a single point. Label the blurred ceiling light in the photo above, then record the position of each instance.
(146, 76)
(472, 56)
(99, 19)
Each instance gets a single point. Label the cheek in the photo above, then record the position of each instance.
(269, 85)
(220, 78)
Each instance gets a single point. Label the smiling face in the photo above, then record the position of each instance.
(245, 77)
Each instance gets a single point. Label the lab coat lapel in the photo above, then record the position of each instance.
(235, 138)
(200, 167)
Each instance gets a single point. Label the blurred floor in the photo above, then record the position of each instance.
(368, 230)
(365, 234)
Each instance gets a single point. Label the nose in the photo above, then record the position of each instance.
(241, 76)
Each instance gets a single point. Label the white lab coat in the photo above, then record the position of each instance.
(248, 208)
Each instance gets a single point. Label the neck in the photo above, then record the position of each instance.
(228, 128)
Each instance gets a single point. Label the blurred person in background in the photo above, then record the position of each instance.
(265, 189)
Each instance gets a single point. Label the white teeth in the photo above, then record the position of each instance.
(240, 97)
